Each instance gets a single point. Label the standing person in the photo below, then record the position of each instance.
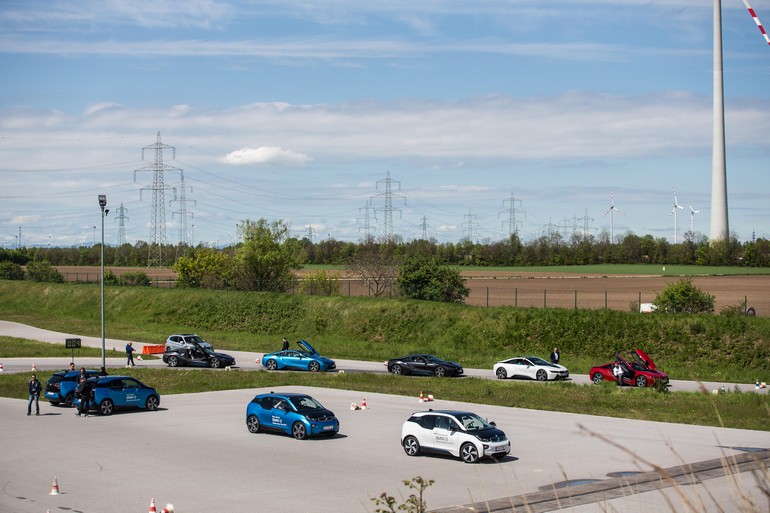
(555, 355)
(84, 390)
(35, 387)
(71, 367)
(285, 345)
(130, 354)
(617, 371)
(82, 374)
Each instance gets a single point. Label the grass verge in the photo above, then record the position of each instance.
(731, 410)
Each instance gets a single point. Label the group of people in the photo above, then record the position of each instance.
(84, 391)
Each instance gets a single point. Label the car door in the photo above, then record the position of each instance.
(419, 365)
(445, 435)
(280, 414)
(293, 360)
(133, 393)
(528, 369)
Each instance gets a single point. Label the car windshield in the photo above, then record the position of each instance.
(472, 422)
(306, 403)
(537, 361)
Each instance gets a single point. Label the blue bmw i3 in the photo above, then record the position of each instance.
(119, 392)
(298, 415)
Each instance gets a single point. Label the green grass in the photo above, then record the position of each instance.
(23, 348)
(732, 410)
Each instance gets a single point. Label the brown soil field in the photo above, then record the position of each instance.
(550, 290)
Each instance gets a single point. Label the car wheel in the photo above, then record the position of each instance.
(597, 378)
(501, 373)
(396, 369)
(215, 363)
(271, 365)
(542, 375)
(69, 401)
(469, 453)
(152, 403)
(439, 372)
(641, 381)
(411, 446)
(173, 361)
(298, 431)
(314, 367)
(252, 422)
(106, 407)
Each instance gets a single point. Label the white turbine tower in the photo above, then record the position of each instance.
(611, 211)
(692, 218)
(676, 207)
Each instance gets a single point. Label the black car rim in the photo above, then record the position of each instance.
(298, 431)
(411, 446)
(469, 453)
(253, 424)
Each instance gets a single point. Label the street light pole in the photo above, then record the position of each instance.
(102, 204)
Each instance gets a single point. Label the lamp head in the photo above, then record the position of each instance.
(102, 200)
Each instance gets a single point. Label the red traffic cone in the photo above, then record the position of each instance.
(34, 367)
(168, 509)
(152, 506)
(422, 399)
(363, 403)
(55, 487)
(1, 366)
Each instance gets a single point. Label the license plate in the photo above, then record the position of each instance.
(500, 449)
(327, 428)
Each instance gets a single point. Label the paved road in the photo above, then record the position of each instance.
(197, 454)
(249, 360)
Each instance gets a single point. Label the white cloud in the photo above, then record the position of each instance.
(270, 155)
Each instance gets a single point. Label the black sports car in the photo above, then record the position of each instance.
(423, 365)
(197, 355)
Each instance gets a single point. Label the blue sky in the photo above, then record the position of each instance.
(297, 111)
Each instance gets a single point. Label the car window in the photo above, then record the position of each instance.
(281, 404)
(444, 423)
(427, 421)
(473, 422)
(132, 383)
(306, 403)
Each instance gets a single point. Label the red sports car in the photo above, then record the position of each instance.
(640, 371)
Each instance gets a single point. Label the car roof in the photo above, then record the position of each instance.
(445, 412)
(283, 394)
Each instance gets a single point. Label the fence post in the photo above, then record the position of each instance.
(349, 288)
(575, 299)
(605, 299)
(544, 301)
(516, 297)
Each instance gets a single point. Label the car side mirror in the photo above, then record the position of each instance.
(492, 423)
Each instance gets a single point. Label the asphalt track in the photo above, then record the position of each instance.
(196, 453)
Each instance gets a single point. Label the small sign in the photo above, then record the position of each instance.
(72, 343)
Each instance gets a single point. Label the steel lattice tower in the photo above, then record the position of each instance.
(512, 211)
(424, 226)
(367, 228)
(184, 234)
(387, 227)
(472, 226)
(121, 218)
(158, 188)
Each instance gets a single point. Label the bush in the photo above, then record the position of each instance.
(321, 283)
(11, 271)
(138, 278)
(423, 278)
(684, 297)
(43, 271)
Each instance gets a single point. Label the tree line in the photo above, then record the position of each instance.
(543, 251)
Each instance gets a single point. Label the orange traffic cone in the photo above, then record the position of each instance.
(363, 403)
(152, 506)
(422, 399)
(55, 487)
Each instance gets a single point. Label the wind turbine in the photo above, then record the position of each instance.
(673, 213)
(611, 212)
(692, 218)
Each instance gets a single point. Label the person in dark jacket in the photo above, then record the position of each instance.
(35, 387)
(130, 354)
(285, 344)
(84, 390)
(555, 355)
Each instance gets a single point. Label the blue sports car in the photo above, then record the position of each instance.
(305, 359)
(298, 415)
(118, 392)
